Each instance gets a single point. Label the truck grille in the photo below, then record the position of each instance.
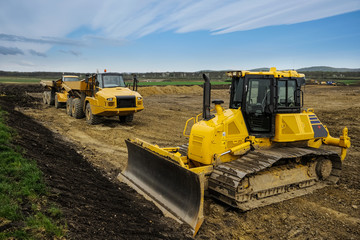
(125, 101)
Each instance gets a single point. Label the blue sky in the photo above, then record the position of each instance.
(177, 35)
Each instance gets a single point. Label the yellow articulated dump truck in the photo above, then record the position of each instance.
(54, 93)
(98, 95)
(265, 148)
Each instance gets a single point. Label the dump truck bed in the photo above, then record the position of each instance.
(47, 83)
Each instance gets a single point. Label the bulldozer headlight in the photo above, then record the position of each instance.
(110, 99)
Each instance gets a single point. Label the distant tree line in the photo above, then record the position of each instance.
(169, 76)
(331, 75)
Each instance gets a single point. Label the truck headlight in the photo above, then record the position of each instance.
(139, 98)
(110, 99)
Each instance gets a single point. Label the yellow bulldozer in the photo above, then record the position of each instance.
(98, 95)
(264, 149)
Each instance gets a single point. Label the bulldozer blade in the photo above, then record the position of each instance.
(176, 191)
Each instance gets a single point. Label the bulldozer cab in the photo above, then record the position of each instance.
(262, 96)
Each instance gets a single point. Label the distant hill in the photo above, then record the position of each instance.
(327, 69)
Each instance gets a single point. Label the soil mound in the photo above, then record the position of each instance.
(157, 90)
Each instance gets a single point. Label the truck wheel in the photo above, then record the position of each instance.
(126, 119)
(68, 106)
(48, 97)
(51, 98)
(57, 103)
(91, 118)
(76, 108)
(44, 98)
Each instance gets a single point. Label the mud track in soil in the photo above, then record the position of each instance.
(329, 213)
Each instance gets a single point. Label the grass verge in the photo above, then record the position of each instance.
(25, 212)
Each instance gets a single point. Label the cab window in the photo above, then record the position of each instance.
(70, 79)
(258, 95)
(286, 93)
(110, 81)
(238, 85)
(257, 100)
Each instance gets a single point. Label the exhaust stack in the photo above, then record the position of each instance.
(206, 98)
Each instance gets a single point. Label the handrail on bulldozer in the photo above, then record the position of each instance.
(195, 119)
(186, 124)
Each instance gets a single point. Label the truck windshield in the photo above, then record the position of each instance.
(71, 79)
(110, 81)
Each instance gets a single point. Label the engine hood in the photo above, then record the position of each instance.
(118, 91)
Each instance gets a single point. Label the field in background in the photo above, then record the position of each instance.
(141, 83)
(21, 80)
(193, 79)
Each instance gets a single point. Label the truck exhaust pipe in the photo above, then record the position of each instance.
(135, 83)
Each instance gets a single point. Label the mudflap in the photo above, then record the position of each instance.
(175, 190)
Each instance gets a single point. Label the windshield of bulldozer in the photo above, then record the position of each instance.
(109, 81)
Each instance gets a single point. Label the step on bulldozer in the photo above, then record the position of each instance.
(264, 149)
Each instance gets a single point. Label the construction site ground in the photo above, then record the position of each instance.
(80, 163)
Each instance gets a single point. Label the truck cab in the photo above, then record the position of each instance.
(108, 96)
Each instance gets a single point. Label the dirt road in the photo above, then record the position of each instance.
(330, 213)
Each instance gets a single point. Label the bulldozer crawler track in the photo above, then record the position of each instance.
(225, 183)
(183, 149)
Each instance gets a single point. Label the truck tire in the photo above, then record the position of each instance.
(44, 98)
(126, 119)
(48, 98)
(91, 118)
(68, 106)
(51, 98)
(76, 109)
(57, 103)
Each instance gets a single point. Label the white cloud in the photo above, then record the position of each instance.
(49, 22)
(133, 19)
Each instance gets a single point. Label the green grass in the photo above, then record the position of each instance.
(172, 83)
(25, 212)
(20, 80)
(349, 81)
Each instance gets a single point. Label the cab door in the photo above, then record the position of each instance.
(258, 104)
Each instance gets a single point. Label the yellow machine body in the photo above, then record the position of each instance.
(239, 167)
(228, 130)
(216, 136)
(107, 98)
(62, 96)
(104, 102)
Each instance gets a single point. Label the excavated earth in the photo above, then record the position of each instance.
(80, 164)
